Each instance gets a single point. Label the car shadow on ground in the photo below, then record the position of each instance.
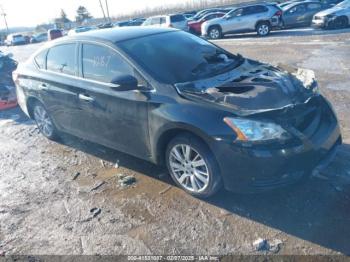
(316, 210)
(290, 32)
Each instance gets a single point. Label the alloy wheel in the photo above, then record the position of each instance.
(189, 168)
(43, 121)
(214, 33)
(263, 29)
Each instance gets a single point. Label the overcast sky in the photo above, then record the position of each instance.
(33, 12)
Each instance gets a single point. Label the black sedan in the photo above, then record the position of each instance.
(213, 118)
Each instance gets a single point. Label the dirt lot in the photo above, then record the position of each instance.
(66, 199)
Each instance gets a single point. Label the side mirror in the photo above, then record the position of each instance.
(124, 83)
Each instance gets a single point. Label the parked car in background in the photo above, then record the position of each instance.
(15, 39)
(260, 18)
(335, 17)
(300, 14)
(136, 21)
(8, 98)
(176, 21)
(37, 38)
(202, 13)
(121, 23)
(213, 118)
(81, 29)
(53, 34)
(195, 25)
(104, 25)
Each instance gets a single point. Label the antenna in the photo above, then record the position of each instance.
(4, 15)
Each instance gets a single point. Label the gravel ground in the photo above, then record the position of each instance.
(66, 198)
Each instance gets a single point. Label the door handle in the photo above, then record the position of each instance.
(86, 98)
(43, 86)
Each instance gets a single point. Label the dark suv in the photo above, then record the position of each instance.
(167, 96)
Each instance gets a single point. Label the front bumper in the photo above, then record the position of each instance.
(254, 169)
(318, 23)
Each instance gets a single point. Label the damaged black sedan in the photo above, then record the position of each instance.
(213, 118)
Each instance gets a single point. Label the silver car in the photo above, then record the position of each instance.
(176, 21)
(335, 17)
(259, 17)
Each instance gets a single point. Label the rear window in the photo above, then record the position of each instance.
(177, 18)
(61, 59)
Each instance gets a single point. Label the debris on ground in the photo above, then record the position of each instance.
(97, 185)
(264, 245)
(95, 211)
(165, 190)
(116, 165)
(102, 163)
(76, 175)
(126, 181)
(275, 245)
(2, 253)
(261, 245)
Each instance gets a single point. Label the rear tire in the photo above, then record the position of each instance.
(192, 166)
(263, 28)
(214, 32)
(44, 122)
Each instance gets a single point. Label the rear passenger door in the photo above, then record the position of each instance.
(252, 14)
(118, 119)
(58, 87)
(295, 16)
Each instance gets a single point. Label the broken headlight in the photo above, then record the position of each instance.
(251, 130)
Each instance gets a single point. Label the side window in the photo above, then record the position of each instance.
(103, 64)
(297, 9)
(162, 20)
(236, 13)
(61, 59)
(313, 6)
(40, 59)
(250, 10)
(155, 21)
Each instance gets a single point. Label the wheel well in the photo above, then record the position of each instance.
(262, 21)
(30, 104)
(344, 17)
(218, 26)
(166, 137)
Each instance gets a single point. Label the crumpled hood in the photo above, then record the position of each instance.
(254, 87)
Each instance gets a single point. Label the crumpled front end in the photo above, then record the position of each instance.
(287, 97)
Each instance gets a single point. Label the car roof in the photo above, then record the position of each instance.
(119, 34)
(292, 4)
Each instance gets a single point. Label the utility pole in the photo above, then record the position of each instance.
(107, 9)
(103, 11)
(4, 15)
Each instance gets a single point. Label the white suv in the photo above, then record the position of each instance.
(176, 21)
(259, 17)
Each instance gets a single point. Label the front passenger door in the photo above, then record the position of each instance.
(118, 119)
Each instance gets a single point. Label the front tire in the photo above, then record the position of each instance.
(215, 32)
(44, 122)
(341, 22)
(192, 166)
(263, 28)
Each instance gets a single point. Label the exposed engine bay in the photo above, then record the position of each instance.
(255, 87)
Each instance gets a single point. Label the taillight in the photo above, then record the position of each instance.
(278, 13)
